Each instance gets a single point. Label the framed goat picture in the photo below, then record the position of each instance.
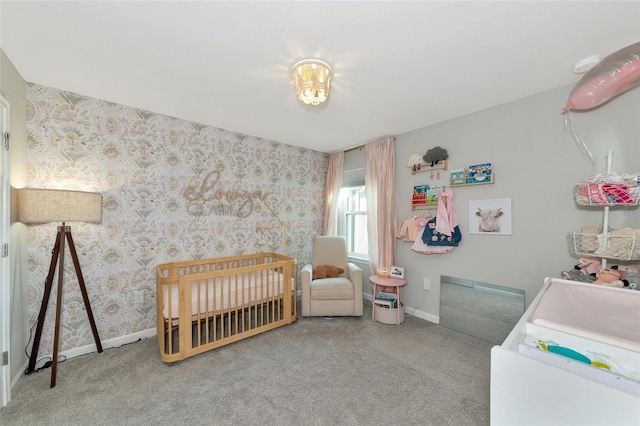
(490, 217)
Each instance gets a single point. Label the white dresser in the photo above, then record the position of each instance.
(551, 383)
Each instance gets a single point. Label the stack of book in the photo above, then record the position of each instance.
(480, 173)
(432, 193)
(386, 300)
(419, 197)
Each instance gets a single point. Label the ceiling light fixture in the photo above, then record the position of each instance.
(312, 80)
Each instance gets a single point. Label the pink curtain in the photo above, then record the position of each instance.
(332, 192)
(380, 181)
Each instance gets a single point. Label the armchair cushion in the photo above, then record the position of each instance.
(326, 271)
(339, 288)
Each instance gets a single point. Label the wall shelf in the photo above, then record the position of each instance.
(415, 207)
(426, 167)
(491, 180)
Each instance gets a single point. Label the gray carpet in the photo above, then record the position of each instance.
(317, 371)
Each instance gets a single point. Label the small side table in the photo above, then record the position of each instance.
(395, 283)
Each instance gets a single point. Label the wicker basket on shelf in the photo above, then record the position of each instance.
(618, 244)
(602, 191)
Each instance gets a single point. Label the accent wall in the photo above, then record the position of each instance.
(172, 190)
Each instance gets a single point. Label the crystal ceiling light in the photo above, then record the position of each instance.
(312, 80)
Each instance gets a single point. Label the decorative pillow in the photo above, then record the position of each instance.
(326, 271)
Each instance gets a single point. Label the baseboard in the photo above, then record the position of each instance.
(413, 312)
(24, 368)
(108, 344)
(423, 315)
(87, 349)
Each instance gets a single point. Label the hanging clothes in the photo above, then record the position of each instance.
(432, 237)
(411, 227)
(420, 247)
(443, 230)
(408, 229)
(447, 218)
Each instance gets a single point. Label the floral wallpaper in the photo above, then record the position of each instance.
(172, 190)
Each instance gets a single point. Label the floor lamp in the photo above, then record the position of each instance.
(53, 205)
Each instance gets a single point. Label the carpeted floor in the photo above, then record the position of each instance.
(318, 371)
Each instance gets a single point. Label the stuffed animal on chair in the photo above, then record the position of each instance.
(326, 271)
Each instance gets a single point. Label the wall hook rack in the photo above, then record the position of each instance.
(427, 167)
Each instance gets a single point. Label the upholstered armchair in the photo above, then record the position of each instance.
(340, 296)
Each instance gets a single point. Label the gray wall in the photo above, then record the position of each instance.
(536, 164)
(13, 88)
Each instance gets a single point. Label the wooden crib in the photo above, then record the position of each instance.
(208, 303)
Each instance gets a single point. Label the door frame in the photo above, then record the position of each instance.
(5, 264)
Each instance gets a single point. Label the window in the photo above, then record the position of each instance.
(352, 220)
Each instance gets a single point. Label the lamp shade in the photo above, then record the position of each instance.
(312, 80)
(58, 205)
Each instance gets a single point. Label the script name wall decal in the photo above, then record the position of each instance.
(208, 198)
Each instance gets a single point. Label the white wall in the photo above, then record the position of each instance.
(536, 164)
(13, 88)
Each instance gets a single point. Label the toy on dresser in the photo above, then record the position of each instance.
(621, 276)
(590, 270)
(584, 271)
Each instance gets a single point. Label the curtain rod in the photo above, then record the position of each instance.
(364, 144)
(354, 148)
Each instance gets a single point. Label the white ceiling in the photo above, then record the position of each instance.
(398, 66)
